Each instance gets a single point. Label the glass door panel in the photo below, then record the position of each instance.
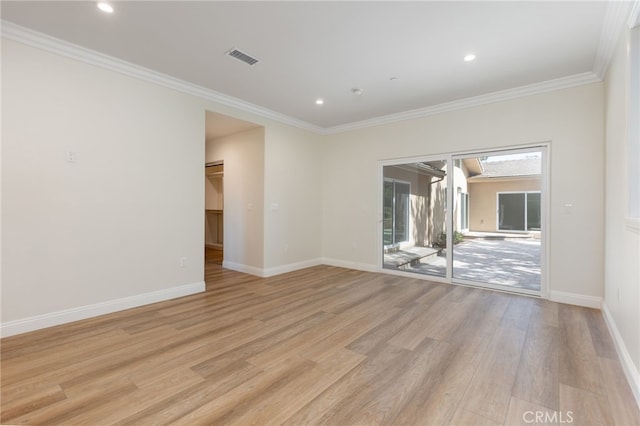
(502, 245)
(414, 217)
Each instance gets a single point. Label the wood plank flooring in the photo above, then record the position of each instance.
(323, 345)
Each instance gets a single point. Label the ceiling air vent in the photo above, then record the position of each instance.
(241, 56)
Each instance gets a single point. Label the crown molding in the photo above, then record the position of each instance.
(45, 42)
(614, 21)
(489, 98)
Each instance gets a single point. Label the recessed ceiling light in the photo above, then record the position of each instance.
(105, 7)
(470, 57)
(319, 101)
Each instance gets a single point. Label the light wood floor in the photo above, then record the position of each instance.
(323, 345)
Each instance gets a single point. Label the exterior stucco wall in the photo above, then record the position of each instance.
(483, 201)
(418, 200)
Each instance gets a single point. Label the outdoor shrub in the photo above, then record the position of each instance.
(458, 237)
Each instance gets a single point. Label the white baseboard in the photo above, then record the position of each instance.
(367, 267)
(629, 368)
(576, 299)
(38, 322)
(252, 270)
(270, 272)
(277, 270)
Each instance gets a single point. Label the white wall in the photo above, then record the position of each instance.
(243, 156)
(293, 200)
(276, 171)
(114, 224)
(571, 119)
(107, 233)
(622, 244)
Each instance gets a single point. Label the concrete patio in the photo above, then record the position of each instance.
(509, 262)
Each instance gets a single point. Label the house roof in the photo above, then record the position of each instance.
(511, 168)
(473, 165)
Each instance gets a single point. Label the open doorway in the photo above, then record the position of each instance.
(474, 218)
(234, 155)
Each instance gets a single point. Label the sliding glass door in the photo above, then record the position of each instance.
(474, 219)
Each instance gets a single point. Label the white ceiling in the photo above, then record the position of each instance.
(325, 49)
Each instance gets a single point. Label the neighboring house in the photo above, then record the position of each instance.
(415, 201)
(490, 196)
(463, 170)
(506, 196)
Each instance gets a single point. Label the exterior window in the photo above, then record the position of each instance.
(396, 212)
(533, 211)
(519, 211)
(464, 211)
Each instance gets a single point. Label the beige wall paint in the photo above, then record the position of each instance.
(114, 224)
(622, 245)
(243, 156)
(571, 119)
(483, 201)
(293, 202)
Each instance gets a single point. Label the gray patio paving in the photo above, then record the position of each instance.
(509, 262)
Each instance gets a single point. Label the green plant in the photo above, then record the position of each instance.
(458, 237)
